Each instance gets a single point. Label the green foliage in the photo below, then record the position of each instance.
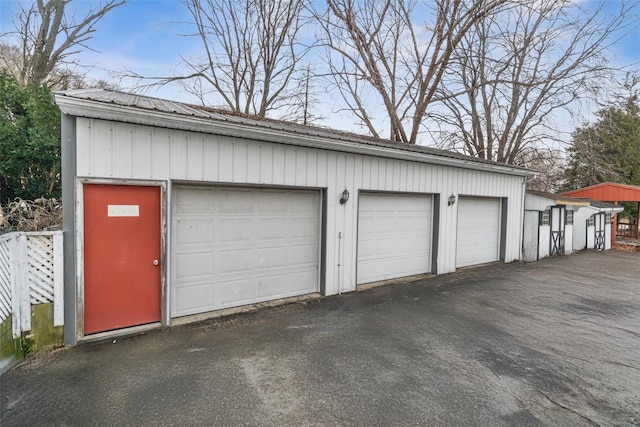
(29, 142)
(609, 149)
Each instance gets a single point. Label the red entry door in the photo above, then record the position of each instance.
(121, 256)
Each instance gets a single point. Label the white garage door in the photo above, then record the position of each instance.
(236, 246)
(478, 240)
(394, 236)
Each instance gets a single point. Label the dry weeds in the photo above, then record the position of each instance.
(26, 215)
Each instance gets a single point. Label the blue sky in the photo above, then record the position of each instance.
(147, 36)
(142, 35)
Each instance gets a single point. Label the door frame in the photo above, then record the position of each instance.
(600, 235)
(502, 225)
(433, 236)
(557, 242)
(167, 218)
(79, 236)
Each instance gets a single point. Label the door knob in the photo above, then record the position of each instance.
(156, 262)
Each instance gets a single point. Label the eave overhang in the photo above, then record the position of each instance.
(109, 111)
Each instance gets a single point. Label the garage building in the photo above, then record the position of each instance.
(172, 211)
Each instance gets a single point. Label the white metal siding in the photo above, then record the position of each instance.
(530, 236)
(582, 235)
(236, 246)
(568, 239)
(478, 239)
(394, 236)
(544, 242)
(591, 237)
(608, 229)
(145, 152)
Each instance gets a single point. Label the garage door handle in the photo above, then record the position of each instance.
(156, 262)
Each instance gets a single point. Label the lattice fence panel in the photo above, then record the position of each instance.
(40, 261)
(5, 280)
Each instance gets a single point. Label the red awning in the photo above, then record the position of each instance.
(608, 192)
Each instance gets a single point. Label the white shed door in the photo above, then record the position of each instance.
(478, 239)
(394, 236)
(236, 246)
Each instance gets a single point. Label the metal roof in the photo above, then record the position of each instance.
(559, 199)
(577, 201)
(603, 206)
(122, 105)
(608, 191)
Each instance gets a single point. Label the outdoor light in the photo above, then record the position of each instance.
(452, 200)
(345, 197)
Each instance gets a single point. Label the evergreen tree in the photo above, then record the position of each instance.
(29, 142)
(609, 149)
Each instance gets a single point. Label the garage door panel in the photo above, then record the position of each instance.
(366, 249)
(237, 292)
(193, 200)
(271, 286)
(194, 231)
(366, 224)
(407, 225)
(367, 271)
(271, 202)
(190, 265)
(385, 247)
(366, 204)
(193, 299)
(271, 257)
(478, 233)
(253, 235)
(234, 200)
(235, 230)
(302, 228)
(385, 224)
(394, 236)
(306, 207)
(274, 229)
(236, 261)
(301, 255)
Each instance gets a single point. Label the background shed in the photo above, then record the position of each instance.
(548, 224)
(593, 225)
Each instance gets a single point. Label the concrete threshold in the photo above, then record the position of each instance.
(120, 333)
(178, 321)
(398, 280)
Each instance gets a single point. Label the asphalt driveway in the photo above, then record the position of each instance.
(550, 343)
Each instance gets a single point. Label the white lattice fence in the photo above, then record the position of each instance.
(5, 280)
(31, 272)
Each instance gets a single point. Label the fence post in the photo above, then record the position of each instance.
(20, 304)
(58, 280)
(22, 284)
(13, 279)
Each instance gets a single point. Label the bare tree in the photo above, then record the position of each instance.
(381, 58)
(589, 163)
(251, 52)
(48, 35)
(550, 165)
(517, 70)
(303, 105)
